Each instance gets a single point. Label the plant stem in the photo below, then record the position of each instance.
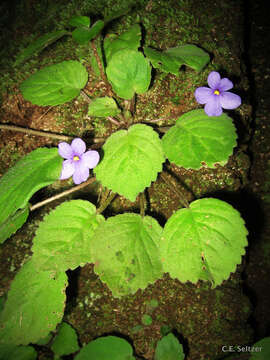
(100, 67)
(183, 201)
(142, 204)
(64, 193)
(36, 132)
(85, 96)
(106, 203)
(113, 121)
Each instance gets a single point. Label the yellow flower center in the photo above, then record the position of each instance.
(216, 92)
(76, 158)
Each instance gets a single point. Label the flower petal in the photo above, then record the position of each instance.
(78, 146)
(225, 84)
(65, 150)
(229, 100)
(203, 94)
(81, 173)
(213, 79)
(213, 107)
(68, 169)
(90, 159)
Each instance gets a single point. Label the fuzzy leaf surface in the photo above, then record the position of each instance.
(38, 45)
(35, 305)
(55, 84)
(66, 341)
(198, 140)
(34, 171)
(126, 253)
(13, 223)
(172, 59)
(63, 239)
(102, 107)
(106, 348)
(204, 242)
(129, 72)
(132, 159)
(169, 348)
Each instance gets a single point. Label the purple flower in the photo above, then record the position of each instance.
(78, 161)
(217, 97)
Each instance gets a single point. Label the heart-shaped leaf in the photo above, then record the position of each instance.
(126, 252)
(129, 72)
(198, 140)
(63, 239)
(169, 348)
(203, 242)
(55, 84)
(132, 159)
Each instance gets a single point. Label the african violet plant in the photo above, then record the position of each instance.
(203, 240)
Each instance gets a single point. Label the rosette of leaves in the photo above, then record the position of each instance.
(172, 59)
(34, 171)
(203, 242)
(198, 140)
(125, 250)
(132, 160)
(55, 84)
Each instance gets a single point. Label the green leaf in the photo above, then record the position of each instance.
(106, 348)
(204, 242)
(161, 61)
(36, 170)
(126, 253)
(13, 223)
(129, 39)
(102, 107)
(169, 348)
(79, 21)
(129, 72)
(65, 342)
(35, 305)
(11, 352)
(189, 55)
(172, 59)
(132, 160)
(198, 140)
(64, 237)
(82, 34)
(38, 45)
(264, 352)
(55, 84)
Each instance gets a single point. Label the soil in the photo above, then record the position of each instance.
(202, 318)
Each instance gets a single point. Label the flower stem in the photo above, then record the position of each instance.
(64, 193)
(183, 201)
(106, 203)
(36, 132)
